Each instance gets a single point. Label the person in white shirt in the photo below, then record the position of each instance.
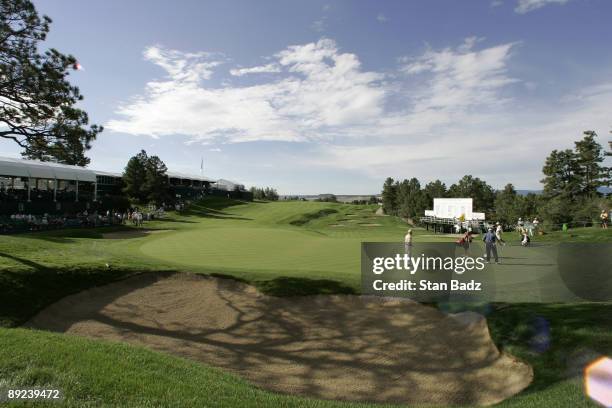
(408, 243)
(525, 240)
(498, 234)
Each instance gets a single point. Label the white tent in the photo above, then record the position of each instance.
(34, 169)
(44, 170)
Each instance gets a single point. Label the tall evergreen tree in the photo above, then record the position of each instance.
(37, 103)
(410, 199)
(434, 189)
(135, 176)
(506, 203)
(482, 194)
(155, 186)
(571, 182)
(562, 186)
(589, 157)
(402, 199)
(562, 175)
(389, 196)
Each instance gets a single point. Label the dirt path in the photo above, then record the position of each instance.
(332, 347)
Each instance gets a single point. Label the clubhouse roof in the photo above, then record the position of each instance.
(35, 169)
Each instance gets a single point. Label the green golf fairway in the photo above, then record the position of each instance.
(265, 240)
(271, 249)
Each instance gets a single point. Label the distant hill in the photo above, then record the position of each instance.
(344, 198)
(603, 190)
(525, 192)
(347, 198)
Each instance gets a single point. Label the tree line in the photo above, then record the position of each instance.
(572, 180)
(267, 193)
(369, 201)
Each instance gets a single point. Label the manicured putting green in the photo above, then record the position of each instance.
(272, 239)
(274, 249)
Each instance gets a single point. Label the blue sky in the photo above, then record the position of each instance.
(334, 96)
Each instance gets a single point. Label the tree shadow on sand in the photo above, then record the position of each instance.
(332, 347)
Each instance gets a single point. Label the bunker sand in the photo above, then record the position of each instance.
(332, 347)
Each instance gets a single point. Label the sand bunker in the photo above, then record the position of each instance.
(333, 347)
(370, 225)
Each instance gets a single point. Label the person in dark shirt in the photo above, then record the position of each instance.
(490, 245)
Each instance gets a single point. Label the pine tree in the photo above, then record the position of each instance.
(434, 189)
(389, 196)
(410, 201)
(155, 186)
(506, 203)
(589, 156)
(472, 187)
(135, 176)
(562, 175)
(37, 103)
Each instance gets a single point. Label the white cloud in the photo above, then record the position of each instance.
(525, 6)
(268, 68)
(461, 78)
(381, 18)
(182, 66)
(507, 146)
(325, 89)
(321, 94)
(444, 113)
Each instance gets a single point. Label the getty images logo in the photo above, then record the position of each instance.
(410, 264)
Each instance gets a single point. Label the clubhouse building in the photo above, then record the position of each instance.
(36, 187)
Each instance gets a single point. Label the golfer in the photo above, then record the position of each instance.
(408, 243)
(465, 240)
(525, 240)
(604, 219)
(489, 240)
(498, 234)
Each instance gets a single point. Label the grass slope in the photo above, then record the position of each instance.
(285, 248)
(109, 374)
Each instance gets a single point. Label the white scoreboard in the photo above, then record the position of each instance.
(454, 208)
